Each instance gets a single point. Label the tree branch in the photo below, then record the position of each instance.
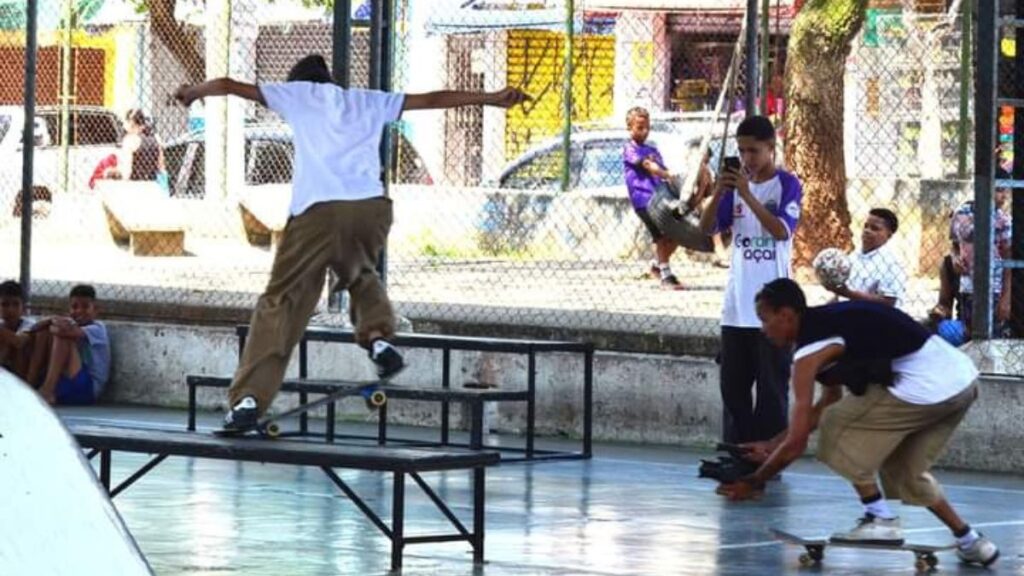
(182, 42)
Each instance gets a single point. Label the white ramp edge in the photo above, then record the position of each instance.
(55, 516)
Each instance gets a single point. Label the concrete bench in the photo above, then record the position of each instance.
(265, 213)
(401, 462)
(142, 216)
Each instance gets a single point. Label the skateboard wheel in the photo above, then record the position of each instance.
(377, 399)
(921, 566)
(805, 560)
(272, 430)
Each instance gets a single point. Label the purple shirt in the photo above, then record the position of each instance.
(639, 182)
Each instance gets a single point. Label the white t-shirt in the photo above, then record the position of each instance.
(877, 272)
(757, 257)
(337, 134)
(919, 382)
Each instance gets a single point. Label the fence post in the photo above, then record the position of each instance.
(750, 68)
(567, 71)
(984, 168)
(28, 146)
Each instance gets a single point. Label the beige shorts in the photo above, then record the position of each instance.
(878, 434)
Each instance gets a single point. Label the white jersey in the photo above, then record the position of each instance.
(757, 257)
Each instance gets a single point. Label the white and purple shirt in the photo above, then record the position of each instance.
(757, 257)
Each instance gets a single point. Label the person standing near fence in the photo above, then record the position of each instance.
(339, 219)
(760, 205)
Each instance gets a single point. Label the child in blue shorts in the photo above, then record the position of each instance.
(71, 354)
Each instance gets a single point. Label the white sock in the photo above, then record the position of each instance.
(879, 509)
(966, 540)
(666, 271)
(380, 345)
(654, 263)
(246, 402)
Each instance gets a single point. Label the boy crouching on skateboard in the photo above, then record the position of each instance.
(895, 430)
(339, 219)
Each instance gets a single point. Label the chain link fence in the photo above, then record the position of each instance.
(537, 226)
(517, 217)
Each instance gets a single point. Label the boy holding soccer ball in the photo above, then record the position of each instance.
(876, 274)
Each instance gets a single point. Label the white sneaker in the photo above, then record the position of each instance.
(983, 551)
(872, 530)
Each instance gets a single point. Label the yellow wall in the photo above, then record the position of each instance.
(535, 63)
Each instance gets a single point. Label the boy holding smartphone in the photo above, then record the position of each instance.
(760, 205)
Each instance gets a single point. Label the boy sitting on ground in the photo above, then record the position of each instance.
(15, 339)
(71, 354)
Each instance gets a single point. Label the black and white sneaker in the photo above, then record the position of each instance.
(243, 416)
(388, 359)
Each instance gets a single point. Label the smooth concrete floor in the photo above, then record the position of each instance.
(630, 510)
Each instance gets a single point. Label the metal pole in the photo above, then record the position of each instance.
(342, 36)
(341, 54)
(765, 64)
(1016, 91)
(567, 72)
(65, 96)
(966, 36)
(386, 30)
(750, 82)
(376, 33)
(28, 144)
(984, 166)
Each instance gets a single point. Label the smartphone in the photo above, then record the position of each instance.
(733, 163)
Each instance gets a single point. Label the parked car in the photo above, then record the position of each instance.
(94, 133)
(269, 155)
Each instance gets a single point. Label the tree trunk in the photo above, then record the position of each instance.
(818, 46)
(179, 40)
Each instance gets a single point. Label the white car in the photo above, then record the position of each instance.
(94, 134)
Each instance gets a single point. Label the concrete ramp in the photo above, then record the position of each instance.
(57, 518)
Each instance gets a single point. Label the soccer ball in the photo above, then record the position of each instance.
(832, 267)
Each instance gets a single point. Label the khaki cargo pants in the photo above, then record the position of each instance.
(343, 236)
(879, 434)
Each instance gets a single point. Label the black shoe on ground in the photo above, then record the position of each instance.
(243, 416)
(670, 282)
(388, 359)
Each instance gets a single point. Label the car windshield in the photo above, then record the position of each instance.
(602, 164)
(541, 172)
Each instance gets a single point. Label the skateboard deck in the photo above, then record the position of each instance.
(372, 392)
(814, 549)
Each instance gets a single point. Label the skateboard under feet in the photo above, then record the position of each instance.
(814, 549)
(268, 427)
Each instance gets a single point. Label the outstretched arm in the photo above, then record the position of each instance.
(186, 94)
(505, 98)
